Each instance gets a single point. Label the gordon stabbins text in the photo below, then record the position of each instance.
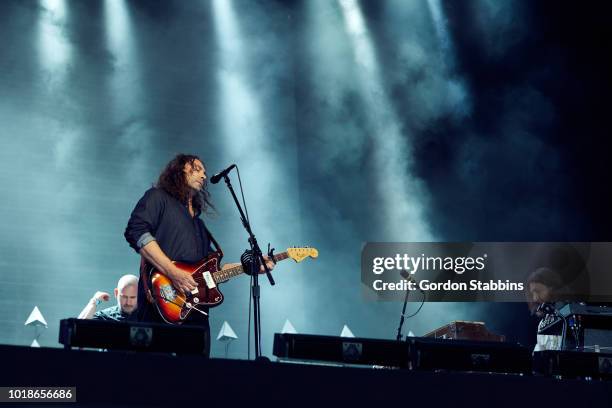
(426, 285)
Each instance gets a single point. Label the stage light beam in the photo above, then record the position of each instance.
(404, 196)
(53, 47)
(125, 89)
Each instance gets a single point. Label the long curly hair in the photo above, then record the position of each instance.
(172, 181)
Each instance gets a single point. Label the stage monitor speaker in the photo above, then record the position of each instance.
(138, 336)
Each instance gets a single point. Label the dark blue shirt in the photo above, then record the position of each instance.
(162, 217)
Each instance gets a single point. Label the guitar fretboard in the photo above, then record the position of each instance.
(221, 276)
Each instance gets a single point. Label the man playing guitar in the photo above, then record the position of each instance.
(165, 228)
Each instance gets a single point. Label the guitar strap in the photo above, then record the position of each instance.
(145, 267)
(144, 277)
(215, 243)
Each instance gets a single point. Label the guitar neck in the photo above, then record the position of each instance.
(228, 273)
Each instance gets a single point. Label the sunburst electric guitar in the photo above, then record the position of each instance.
(175, 307)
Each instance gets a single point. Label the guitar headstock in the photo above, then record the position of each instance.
(299, 254)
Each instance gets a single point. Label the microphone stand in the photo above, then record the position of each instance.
(409, 279)
(401, 323)
(257, 260)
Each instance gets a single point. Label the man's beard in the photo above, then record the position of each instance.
(128, 312)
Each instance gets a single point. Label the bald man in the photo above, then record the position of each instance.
(126, 294)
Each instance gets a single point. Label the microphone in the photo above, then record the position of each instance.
(247, 259)
(217, 177)
(409, 278)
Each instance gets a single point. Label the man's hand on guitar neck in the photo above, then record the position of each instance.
(269, 263)
(247, 259)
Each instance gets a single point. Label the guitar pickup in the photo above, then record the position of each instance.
(210, 282)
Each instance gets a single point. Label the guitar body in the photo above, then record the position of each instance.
(175, 307)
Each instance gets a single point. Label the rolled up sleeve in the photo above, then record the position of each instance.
(144, 220)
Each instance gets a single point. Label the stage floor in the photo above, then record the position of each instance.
(141, 379)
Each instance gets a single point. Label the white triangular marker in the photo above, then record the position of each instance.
(346, 332)
(410, 333)
(35, 344)
(226, 333)
(288, 328)
(36, 318)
